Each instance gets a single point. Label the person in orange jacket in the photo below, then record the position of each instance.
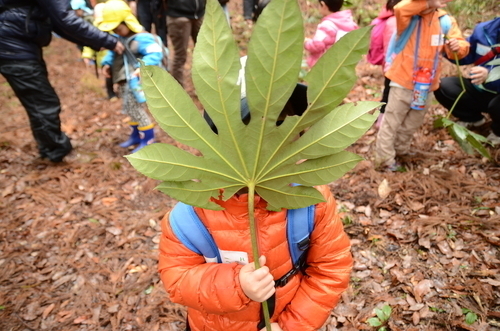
(421, 53)
(227, 296)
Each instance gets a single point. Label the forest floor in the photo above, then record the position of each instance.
(79, 239)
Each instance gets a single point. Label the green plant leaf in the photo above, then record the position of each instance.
(386, 310)
(442, 122)
(149, 290)
(374, 322)
(476, 140)
(470, 318)
(494, 74)
(215, 70)
(260, 155)
(495, 61)
(383, 314)
(459, 134)
(468, 140)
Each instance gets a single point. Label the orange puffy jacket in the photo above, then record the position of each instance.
(212, 291)
(402, 68)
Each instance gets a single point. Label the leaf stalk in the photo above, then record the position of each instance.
(461, 84)
(255, 245)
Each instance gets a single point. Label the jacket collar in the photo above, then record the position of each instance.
(238, 204)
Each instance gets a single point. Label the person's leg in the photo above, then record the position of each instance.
(494, 111)
(468, 108)
(139, 117)
(109, 88)
(144, 14)
(160, 21)
(385, 94)
(395, 113)
(411, 123)
(195, 28)
(29, 80)
(248, 9)
(179, 30)
(385, 98)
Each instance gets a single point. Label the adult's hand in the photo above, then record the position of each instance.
(119, 48)
(478, 75)
(274, 327)
(257, 284)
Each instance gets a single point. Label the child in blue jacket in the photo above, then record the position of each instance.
(118, 19)
(479, 97)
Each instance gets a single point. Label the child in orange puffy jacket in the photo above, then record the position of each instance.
(227, 296)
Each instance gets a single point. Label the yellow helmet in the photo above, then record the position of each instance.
(115, 12)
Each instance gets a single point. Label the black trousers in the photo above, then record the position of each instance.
(29, 80)
(472, 104)
(151, 12)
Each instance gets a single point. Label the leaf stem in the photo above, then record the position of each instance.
(461, 83)
(255, 245)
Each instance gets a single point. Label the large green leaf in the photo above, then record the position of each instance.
(281, 163)
(466, 139)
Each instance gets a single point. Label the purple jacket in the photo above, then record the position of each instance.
(329, 30)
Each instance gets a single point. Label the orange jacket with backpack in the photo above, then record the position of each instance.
(401, 70)
(212, 292)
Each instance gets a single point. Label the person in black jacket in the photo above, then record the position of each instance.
(184, 18)
(153, 12)
(25, 27)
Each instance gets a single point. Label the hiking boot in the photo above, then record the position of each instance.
(147, 137)
(470, 125)
(493, 139)
(134, 139)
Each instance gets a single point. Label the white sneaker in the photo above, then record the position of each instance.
(469, 125)
(493, 139)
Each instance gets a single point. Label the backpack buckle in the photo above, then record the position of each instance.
(285, 278)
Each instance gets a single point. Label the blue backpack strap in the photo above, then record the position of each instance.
(191, 231)
(397, 43)
(402, 40)
(299, 225)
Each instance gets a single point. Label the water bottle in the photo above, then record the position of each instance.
(421, 88)
(135, 85)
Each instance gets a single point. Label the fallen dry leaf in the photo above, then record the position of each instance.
(384, 189)
(422, 288)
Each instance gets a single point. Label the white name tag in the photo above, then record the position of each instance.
(437, 40)
(153, 48)
(231, 256)
(482, 49)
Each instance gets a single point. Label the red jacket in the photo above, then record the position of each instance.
(212, 291)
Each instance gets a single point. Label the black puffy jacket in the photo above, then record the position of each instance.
(192, 9)
(26, 26)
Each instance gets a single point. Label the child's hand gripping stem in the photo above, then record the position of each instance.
(257, 284)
